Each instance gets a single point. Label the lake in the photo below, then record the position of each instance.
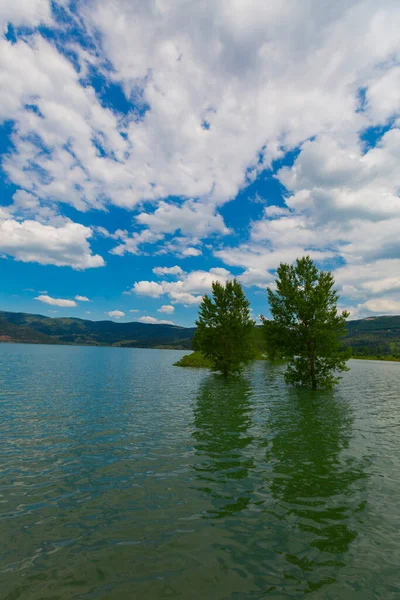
(125, 477)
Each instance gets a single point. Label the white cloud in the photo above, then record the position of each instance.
(187, 290)
(339, 182)
(184, 298)
(82, 299)
(57, 301)
(66, 245)
(148, 288)
(193, 218)
(22, 13)
(190, 251)
(154, 321)
(168, 270)
(381, 306)
(222, 85)
(134, 310)
(227, 50)
(166, 308)
(131, 243)
(115, 314)
(260, 278)
(229, 87)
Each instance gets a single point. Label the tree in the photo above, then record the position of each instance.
(224, 329)
(306, 326)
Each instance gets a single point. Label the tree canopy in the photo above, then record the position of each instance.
(225, 331)
(306, 326)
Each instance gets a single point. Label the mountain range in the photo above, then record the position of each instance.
(38, 329)
(373, 336)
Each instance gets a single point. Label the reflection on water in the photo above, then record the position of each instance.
(116, 483)
(222, 421)
(287, 477)
(312, 480)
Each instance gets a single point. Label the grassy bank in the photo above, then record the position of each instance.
(386, 358)
(195, 360)
(198, 361)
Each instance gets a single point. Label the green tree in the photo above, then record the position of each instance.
(306, 326)
(224, 332)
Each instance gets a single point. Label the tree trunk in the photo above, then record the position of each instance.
(312, 370)
(311, 356)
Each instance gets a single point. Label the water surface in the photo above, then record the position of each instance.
(125, 477)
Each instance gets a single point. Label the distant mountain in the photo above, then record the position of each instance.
(9, 332)
(24, 327)
(373, 336)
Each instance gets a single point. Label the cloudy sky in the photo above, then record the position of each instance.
(151, 147)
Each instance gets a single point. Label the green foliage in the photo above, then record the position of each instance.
(225, 332)
(306, 326)
(195, 360)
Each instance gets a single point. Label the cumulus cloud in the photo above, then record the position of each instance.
(218, 91)
(66, 245)
(148, 288)
(190, 251)
(187, 290)
(56, 301)
(167, 308)
(131, 243)
(381, 306)
(27, 14)
(154, 321)
(193, 218)
(201, 136)
(340, 183)
(168, 270)
(82, 299)
(115, 314)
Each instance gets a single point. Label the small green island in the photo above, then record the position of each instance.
(196, 360)
(305, 330)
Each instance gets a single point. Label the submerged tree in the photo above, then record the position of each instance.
(306, 326)
(224, 328)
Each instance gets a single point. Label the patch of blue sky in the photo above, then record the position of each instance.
(7, 188)
(371, 136)
(250, 202)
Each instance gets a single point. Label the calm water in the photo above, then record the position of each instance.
(124, 477)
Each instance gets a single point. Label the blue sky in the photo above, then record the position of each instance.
(148, 149)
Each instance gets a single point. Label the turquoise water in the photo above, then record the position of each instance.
(124, 477)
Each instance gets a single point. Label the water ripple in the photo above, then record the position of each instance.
(123, 476)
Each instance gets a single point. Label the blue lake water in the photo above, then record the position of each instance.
(125, 477)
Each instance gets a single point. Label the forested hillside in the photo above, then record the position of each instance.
(24, 327)
(374, 336)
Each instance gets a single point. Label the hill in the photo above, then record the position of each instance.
(24, 327)
(374, 336)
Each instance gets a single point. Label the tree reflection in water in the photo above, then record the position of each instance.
(276, 463)
(316, 483)
(222, 420)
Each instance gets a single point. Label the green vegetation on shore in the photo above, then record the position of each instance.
(388, 358)
(195, 360)
(198, 361)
